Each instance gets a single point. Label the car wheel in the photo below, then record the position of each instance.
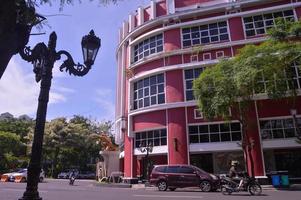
(41, 179)
(162, 185)
(23, 180)
(205, 186)
(172, 189)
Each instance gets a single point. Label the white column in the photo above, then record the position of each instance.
(170, 6)
(131, 22)
(153, 9)
(125, 28)
(140, 16)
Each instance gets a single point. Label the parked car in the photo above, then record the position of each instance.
(180, 176)
(10, 175)
(65, 174)
(23, 174)
(86, 175)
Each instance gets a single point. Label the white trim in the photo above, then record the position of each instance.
(153, 9)
(194, 58)
(187, 136)
(171, 8)
(195, 111)
(172, 67)
(280, 143)
(140, 16)
(161, 107)
(213, 122)
(157, 150)
(278, 117)
(214, 147)
(209, 47)
(167, 134)
(222, 52)
(121, 154)
(205, 55)
(150, 129)
(160, 20)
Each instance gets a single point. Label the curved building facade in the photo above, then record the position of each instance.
(162, 49)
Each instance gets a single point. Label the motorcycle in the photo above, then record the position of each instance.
(228, 186)
(71, 180)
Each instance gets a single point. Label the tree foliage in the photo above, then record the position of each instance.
(233, 83)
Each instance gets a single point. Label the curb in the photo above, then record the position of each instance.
(113, 185)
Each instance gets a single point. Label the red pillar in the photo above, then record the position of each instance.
(236, 28)
(177, 136)
(128, 156)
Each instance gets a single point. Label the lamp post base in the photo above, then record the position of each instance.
(31, 196)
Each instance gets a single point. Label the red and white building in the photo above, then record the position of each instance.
(159, 56)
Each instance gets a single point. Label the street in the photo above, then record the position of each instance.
(86, 190)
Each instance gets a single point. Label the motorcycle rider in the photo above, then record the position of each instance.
(72, 177)
(233, 172)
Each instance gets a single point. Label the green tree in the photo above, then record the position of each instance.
(233, 83)
(10, 146)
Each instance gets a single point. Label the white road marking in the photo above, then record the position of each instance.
(20, 190)
(163, 196)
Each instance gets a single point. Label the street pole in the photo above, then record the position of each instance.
(43, 58)
(34, 168)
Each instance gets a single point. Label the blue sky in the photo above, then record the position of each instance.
(93, 95)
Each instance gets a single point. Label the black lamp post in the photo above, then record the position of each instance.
(148, 149)
(43, 58)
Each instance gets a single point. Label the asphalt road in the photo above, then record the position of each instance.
(86, 190)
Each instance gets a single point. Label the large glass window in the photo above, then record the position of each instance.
(294, 82)
(154, 137)
(278, 128)
(259, 24)
(147, 47)
(149, 91)
(221, 132)
(190, 76)
(205, 34)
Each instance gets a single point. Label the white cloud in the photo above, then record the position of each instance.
(104, 98)
(19, 91)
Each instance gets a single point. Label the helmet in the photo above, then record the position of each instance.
(234, 162)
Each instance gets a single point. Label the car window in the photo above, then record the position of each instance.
(186, 170)
(172, 169)
(161, 169)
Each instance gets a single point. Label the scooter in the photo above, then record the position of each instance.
(228, 186)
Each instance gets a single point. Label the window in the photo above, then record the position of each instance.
(205, 34)
(221, 132)
(186, 170)
(294, 82)
(172, 169)
(147, 47)
(206, 56)
(278, 128)
(259, 24)
(190, 75)
(219, 54)
(154, 137)
(149, 91)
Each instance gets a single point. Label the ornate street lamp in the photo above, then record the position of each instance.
(43, 58)
(148, 149)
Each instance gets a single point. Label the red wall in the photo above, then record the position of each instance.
(236, 29)
(184, 3)
(177, 130)
(149, 66)
(149, 120)
(147, 14)
(266, 5)
(174, 86)
(127, 156)
(161, 9)
(298, 12)
(172, 40)
(276, 108)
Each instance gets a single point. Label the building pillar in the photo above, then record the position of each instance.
(128, 156)
(177, 136)
(254, 136)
